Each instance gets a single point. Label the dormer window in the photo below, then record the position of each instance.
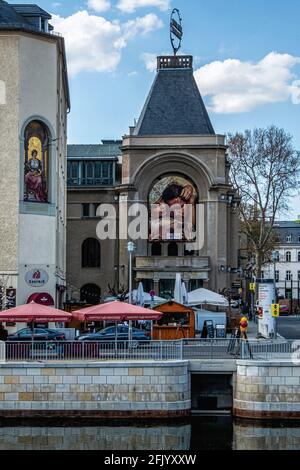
(288, 238)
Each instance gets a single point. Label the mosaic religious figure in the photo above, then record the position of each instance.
(36, 163)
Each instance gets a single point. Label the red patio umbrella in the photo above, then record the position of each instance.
(34, 313)
(116, 311)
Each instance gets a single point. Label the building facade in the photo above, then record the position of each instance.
(34, 102)
(287, 269)
(171, 156)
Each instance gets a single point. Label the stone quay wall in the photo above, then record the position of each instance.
(267, 389)
(89, 390)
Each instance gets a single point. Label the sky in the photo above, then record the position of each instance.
(246, 62)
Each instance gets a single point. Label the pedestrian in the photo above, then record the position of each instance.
(244, 327)
(3, 333)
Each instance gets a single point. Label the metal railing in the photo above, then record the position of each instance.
(153, 350)
(2, 351)
(210, 348)
(87, 350)
(270, 349)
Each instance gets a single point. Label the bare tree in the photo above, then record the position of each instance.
(265, 169)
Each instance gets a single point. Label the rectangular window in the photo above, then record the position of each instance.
(298, 275)
(73, 173)
(93, 209)
(277, 276)
(85, 208)
(288, 238)
(262, 274)
(298, 238)
(288, 275)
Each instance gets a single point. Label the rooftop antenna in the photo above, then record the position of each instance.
(176, 31)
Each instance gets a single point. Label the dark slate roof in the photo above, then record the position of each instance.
(174, 106)
(284, 228)
(10, 18)
(109, 149)
(30, 10)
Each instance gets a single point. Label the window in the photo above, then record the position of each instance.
(288, 238)
(277, 276)
(90, 293)
(298, 255)
(173, 249)
(156, 249)
(262, 274)
(288, 257)
(298, 275)
(288, 276)
(298, 238)
(195, 284)
(90, 173)
(166, 288)
(91, 253)
(85, 210)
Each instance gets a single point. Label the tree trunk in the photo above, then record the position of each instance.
(258, 263)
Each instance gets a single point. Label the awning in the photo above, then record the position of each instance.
(41, 298)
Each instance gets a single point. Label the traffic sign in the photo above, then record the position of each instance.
(275, 310)
(252, 286)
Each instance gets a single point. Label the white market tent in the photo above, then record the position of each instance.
(206, 297)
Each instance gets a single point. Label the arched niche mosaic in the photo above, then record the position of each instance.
(36, 163)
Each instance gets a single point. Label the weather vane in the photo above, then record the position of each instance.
(176, 31)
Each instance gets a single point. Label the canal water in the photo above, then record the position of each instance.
(195, 434)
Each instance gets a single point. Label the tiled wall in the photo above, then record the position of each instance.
(267, 389)
(113, 387)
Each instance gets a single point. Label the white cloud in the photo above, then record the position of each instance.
(99, 5)
(235, 86)
(150, 61)
(94, 43)
(130, 6)
(142, 25)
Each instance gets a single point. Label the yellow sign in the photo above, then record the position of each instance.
(275, 310)
(252, 286)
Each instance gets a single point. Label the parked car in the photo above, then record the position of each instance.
(40, 334)
(108, 335)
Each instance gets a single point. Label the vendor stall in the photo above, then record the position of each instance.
(177, 322)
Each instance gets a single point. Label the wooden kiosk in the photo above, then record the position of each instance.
(177, 322)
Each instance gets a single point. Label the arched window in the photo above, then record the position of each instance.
(156, 249)
(36, 162)
(90, 253)
(90, 293)
(288, 257)
(173, 249)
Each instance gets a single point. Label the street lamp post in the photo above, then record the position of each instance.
(130, 249)
(275, 259)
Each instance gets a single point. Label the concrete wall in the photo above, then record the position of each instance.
(9, 154)
(267, 389)
(112, 389)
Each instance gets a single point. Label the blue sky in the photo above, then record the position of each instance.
(246, 58)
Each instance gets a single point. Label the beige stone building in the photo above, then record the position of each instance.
(172, 156)
(34, 101)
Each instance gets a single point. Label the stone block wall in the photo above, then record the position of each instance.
(267, 389)
(112, 389)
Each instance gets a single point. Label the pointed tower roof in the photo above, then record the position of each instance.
(174, 105)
